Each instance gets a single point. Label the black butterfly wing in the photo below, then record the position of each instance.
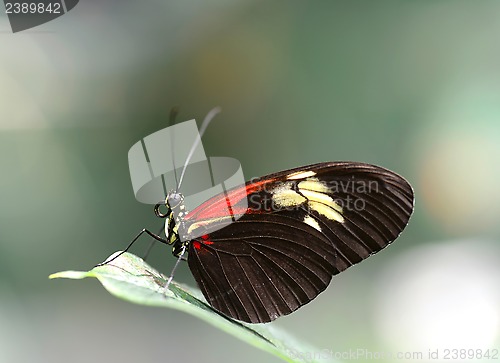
(262, 267)
(301, 227)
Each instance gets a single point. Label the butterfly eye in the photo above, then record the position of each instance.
(174, 200)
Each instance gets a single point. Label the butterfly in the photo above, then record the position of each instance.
(263, 249)
(287, 235)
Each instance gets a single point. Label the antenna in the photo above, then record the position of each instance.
(208, 118)
(173, 114)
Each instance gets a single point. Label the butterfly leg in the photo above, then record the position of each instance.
(178, 251)
(180, 256)
(155, 236)
(151, 244)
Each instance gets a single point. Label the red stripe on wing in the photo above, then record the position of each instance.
(234, 200)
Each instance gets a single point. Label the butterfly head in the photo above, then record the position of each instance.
(175, 211)
(174, 200)
(174, 203)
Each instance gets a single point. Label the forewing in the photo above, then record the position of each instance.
(301, 227)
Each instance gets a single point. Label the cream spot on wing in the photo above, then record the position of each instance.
(312, 222)
(301, 175)
(321, 198)
(282, 186)
(314, 184)
(327, 211)
(287, 198)
(284, 196)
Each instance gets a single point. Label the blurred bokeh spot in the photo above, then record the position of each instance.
(459, 159)
(441, 296)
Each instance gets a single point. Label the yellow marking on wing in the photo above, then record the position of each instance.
(314, 184)
(312, 222)
(300, 175)
(226, 219)
(287, 198)
(281, 187)
(327, 211)
(321, 198)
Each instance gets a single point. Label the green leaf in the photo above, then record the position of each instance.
(130, 278)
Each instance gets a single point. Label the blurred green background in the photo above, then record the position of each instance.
(413, 86)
